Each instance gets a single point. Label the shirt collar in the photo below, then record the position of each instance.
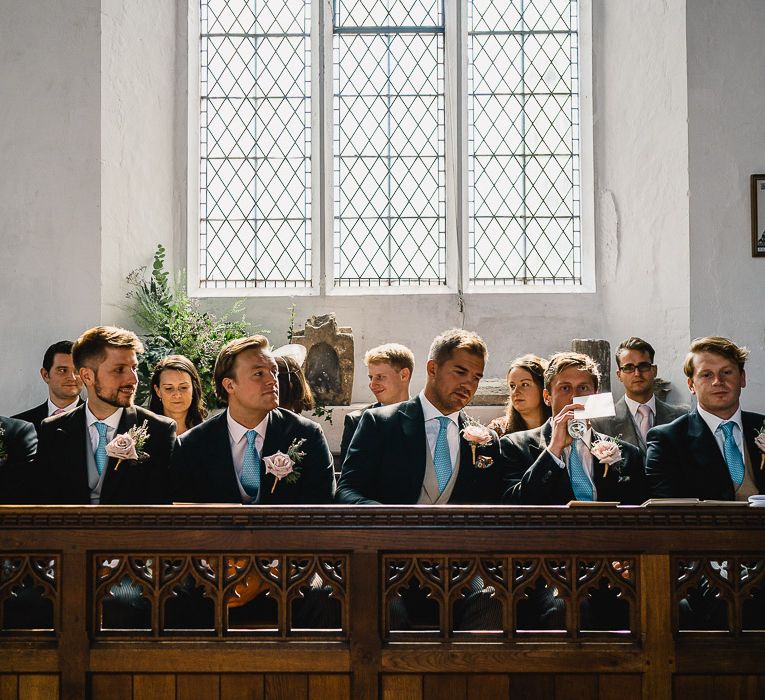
(633, 405)
(713, 421)
(52, 408)
(113, 421)
(430, 412)
(238, 431)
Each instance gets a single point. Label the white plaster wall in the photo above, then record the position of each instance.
(50, 281)
(726, 106)
(140, 192)
(641, 165)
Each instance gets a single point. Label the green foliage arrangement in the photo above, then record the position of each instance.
(173, 324)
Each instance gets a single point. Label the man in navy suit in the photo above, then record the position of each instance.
(64, 384)
(639, 409)
(233, 457)
(710, 453)
(390, 369)
(414, 451)
(73, 464)
(548, 467)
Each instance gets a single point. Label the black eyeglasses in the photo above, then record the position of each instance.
(642, 367)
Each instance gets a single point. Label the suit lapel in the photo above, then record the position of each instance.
(273, 443)
(705, 453)
(74, 443)
(414, 444)
(220, 464)
(625, 425)
(752, 422)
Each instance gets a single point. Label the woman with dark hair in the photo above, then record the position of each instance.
(176, 392)
(526, 408)
(294, 392)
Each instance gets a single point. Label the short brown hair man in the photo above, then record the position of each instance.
(74, 456)
(710, 453)
(546, 466)
(239, 456)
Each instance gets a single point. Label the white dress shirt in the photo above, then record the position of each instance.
(633, 406)
(237, 438)
(713, 423)
(432, 426)
(52, 408)
(96, 480)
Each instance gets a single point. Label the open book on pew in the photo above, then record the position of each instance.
(592, 504)
(690, 502)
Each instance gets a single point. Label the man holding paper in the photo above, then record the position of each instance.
(565, 459)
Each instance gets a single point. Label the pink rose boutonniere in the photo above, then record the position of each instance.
(3, 449)
(477, 435)
(129, 445)
(759, 440)
(607, 451)
(284, 466)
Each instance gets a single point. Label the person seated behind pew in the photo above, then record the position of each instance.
(176, 392)
(64, 385)
(710, 453)
(18, 444)
(73, 463)
(294, 393)
(415, 451)
(639, 409)
(546, 466)
(234, 456)
(526, 408)
(389, 369)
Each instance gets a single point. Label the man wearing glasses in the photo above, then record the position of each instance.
(638, 410)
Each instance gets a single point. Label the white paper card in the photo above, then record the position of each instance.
(595, 406)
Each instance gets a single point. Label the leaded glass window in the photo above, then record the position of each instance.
(390, 198)
(523, 145)
(443, 136)
(255, 176)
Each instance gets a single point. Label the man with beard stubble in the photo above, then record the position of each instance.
(72, 465)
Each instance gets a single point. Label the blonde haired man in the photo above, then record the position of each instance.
(710, 453)
(390, 369)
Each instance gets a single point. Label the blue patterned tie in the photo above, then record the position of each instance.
(732, 455)
(251, 467)
(579, 481)
(100, 455)
(442, 460)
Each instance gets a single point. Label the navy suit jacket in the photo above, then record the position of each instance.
(385, 462)
(203, 469)
(349, 428)
(535, 478)
(61, 466)
(38, 414)
(685, 461)
(19, 444)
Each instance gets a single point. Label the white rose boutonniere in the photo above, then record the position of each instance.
(607, 451)
(284, 466)
(759, 440)
(129, 445)
(477, 434)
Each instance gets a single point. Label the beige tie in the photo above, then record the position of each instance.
(645, 419)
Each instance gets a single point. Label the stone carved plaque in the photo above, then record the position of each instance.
(329, 364)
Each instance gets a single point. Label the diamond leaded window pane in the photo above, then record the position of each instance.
(523, 149)
(389, 169)
(255, 164)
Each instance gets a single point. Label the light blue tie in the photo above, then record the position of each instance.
(100, 455)
(441, 458)
(251, 467)
(732, 455)
(579, 481)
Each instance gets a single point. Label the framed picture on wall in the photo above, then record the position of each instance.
(758, 216)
